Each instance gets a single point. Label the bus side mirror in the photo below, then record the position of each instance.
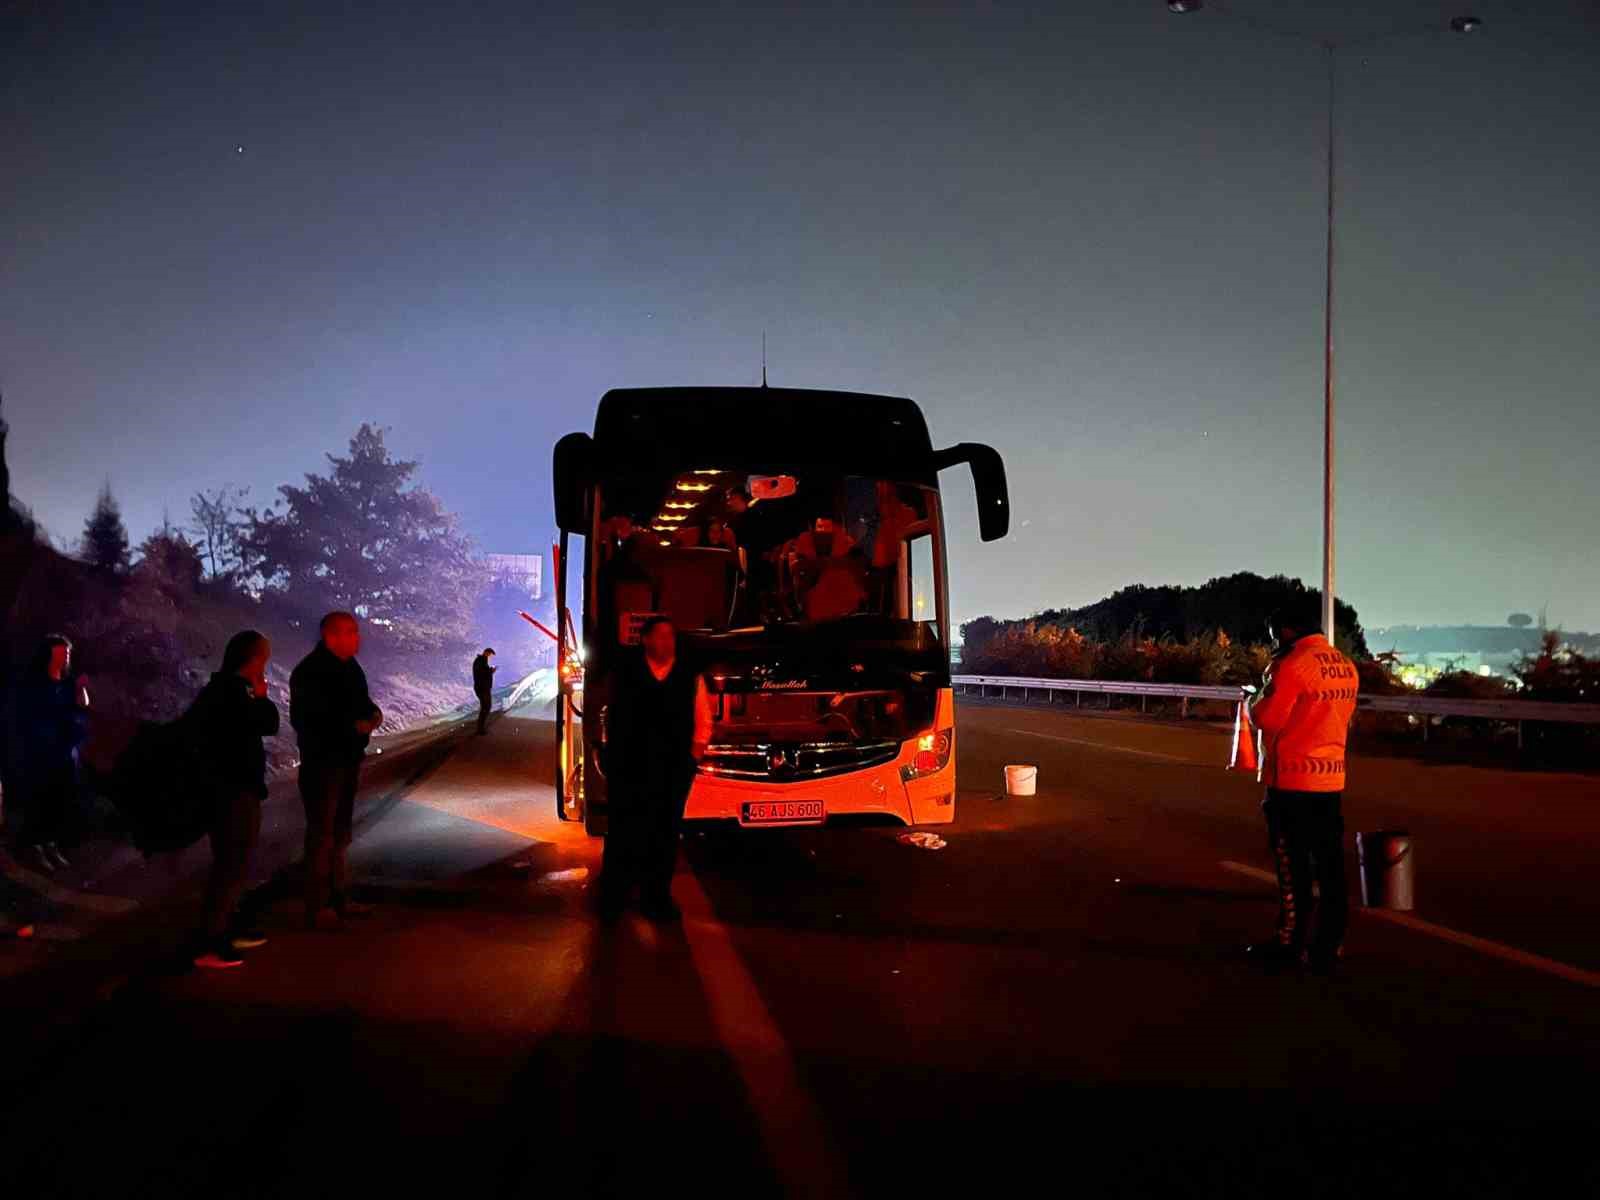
(572, 473)
(988, 481)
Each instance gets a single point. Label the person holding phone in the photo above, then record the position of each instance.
(483, 687)
(227, 721)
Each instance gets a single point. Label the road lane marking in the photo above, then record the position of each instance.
(1510, 954)
(792, 1128)
(1056, 737)
(66, 897)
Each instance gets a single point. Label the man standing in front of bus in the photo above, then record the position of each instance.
(1304, 715)
(658, 727)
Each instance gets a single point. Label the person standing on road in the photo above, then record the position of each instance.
(334, 717)
(659, 726)
(1304, 713)
(227, 721)
(483, 687)
(50, 719)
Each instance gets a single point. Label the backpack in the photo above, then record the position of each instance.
(162, 789)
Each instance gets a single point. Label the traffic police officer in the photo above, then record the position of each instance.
(1304, 715)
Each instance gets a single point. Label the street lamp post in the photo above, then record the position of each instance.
(1331, 47)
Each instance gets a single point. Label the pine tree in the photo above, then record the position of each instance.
(364, 537)
(105, 537)
(169, 558)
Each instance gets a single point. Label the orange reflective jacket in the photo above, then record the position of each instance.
(1304, 717)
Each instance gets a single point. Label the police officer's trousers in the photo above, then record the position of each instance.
(1305, 831)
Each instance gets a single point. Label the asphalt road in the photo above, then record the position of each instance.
(1053, 1001)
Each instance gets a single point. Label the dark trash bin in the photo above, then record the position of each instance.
(1386, 869)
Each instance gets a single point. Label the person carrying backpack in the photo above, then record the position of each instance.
(226, 723)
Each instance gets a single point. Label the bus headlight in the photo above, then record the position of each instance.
(932, 755)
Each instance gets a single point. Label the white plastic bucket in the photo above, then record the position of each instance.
(1020, 780)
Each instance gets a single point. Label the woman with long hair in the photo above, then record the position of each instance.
(227, 722)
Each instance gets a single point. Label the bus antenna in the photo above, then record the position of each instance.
(763, 358)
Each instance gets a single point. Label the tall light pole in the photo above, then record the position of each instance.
(1331, 48)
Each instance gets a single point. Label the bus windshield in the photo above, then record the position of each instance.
(728, 552)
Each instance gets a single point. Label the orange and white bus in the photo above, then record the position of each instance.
(796, 541)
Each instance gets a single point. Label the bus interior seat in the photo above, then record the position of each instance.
(840, 590)
(694, 585)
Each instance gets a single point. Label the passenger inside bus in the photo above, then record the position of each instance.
(804, 550)
(714, 532)
(824, 540)
(827, 582)
(886, 528)
(623, 540)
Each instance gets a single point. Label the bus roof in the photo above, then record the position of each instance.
(760, 428)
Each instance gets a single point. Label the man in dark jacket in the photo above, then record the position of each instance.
(483, 687)
(227, 721)
(659, 724)
(334, 718)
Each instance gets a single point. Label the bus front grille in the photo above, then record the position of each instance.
(783, 762)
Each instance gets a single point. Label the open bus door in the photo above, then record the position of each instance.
(571, 476)
(569, 699)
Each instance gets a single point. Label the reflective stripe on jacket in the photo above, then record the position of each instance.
(1304, 717)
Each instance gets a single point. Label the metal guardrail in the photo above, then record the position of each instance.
(1512, 711)
(1493, 710)
(1113, 687)
(1183, 692)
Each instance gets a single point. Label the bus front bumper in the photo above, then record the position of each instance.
(857, 797)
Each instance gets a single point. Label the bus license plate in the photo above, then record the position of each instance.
(766, 812)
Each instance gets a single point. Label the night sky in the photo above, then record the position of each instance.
(1089, 233)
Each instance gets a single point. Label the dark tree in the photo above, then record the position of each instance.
(1237, 605)
(105, 537)
(170, 559)
(364, 538)
(1519, 620)
(219, 524)
(977, 633)
(8, 517)
(1559, 672)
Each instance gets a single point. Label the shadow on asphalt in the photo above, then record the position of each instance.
(600, 1108)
